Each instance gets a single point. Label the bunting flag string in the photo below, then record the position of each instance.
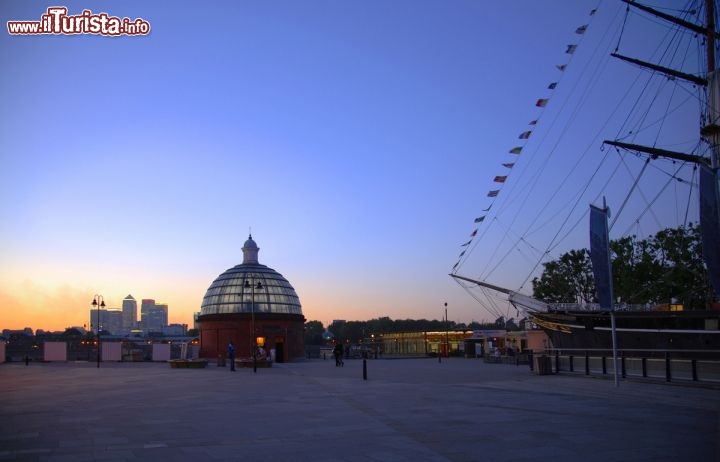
(541, 103)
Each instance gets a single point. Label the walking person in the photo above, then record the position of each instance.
(231, 356)
(338, 352)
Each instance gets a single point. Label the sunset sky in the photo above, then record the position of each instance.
(357, 139)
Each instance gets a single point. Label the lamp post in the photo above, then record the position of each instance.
(98, 302)
(447, 338)
(253, 286)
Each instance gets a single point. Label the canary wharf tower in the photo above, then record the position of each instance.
(251, 304)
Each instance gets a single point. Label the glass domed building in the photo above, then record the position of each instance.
(251, 304)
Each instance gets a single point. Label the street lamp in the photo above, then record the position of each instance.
(253, 286)
(98, 302)
(447, 338)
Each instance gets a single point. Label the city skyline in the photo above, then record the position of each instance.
(357, 140)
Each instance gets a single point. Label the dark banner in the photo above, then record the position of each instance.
(600, 256)
(710, 224)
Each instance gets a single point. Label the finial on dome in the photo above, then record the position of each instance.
(250, 252)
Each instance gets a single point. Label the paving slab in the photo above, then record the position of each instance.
(407, 409)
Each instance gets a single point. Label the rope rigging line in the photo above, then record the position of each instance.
(530, 187)
(473, 247)
(648, 207)
(627, 196)
(690, 191)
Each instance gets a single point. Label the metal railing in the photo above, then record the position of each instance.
(689, 366)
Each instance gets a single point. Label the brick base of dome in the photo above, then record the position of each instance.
(281, 332)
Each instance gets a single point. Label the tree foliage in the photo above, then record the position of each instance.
(660, 269)
(363, 331)
(314, 333)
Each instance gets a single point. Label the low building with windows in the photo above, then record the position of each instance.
(468, 343)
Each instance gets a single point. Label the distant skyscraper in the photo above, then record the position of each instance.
(154, 317)
(146, 306)
(110, 320)
(129, 313)
(159, 317)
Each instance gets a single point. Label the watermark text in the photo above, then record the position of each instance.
(57, 22)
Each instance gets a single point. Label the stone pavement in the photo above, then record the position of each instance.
(407, 410)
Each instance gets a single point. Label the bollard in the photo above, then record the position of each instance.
(27, 360)
(530, 359)
(622, 359)
(572, 367)
(364, 369)
(668, 374)
(587, 363)
(693, 363)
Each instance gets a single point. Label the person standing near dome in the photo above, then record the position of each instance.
(231, 356)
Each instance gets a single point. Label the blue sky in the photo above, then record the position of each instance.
(357, 139)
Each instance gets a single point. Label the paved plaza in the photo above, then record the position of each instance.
(406, 410)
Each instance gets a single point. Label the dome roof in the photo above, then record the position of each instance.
(235, 289)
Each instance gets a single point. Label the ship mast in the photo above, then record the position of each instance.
(709, 195)
(711, 131)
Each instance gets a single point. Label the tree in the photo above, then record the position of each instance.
(568, 279)
(655, 270)
(679, 252)
(314, 333)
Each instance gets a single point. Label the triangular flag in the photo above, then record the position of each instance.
(509, 164)
(461, 254)
(571, 49)
(542, 102)
(466, 244)
(493, 193)
(552, 86)
(473, 233)
(581, 30)
(561, 67)
(525, 135)
(500, 179)
(592, 12)
(533, 122)
(487, 209)
(479, 219)
(455, 265)
(515, 150)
